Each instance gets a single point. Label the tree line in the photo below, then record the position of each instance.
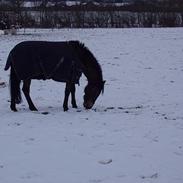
(139, 13)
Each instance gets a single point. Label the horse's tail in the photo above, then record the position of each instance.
(14, 84)
(8, 62)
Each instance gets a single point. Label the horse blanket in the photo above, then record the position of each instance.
(46, 60)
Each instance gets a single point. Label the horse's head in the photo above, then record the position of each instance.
(92, 91)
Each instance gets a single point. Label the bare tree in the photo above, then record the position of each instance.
(17, 6)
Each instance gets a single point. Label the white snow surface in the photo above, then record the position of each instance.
(133, 134)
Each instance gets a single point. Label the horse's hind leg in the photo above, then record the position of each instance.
(26, 91)
(13, 105)
(66, 98)
(14, 90)
(73, 98)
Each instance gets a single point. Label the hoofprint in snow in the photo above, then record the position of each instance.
(133, 134)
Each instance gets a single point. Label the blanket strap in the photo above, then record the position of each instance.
(49, 76)
(74, 73)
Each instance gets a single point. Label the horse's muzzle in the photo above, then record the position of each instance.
(88, 104)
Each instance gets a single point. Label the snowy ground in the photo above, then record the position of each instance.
(134, 134)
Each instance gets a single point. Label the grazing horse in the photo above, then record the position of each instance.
(59, 61)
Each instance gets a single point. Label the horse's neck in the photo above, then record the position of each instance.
(91, 68)
(92, 74)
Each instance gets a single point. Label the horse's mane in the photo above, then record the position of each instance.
(88, 57)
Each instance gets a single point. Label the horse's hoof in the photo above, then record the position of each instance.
(66, 109)
(33, 109)
(14, 109)
(74, 106)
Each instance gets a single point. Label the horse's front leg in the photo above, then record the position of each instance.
(66, 98)
(26, 91)
(73, 98)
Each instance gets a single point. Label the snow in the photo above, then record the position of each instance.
(134, 133)
(1, 32)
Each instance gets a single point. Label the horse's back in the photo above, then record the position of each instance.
(31, 59)
(27, 52)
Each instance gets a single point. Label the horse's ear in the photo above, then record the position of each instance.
(104, 82)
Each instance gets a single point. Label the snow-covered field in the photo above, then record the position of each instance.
(134, 133)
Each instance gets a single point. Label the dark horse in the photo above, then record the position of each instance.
(60, 61)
